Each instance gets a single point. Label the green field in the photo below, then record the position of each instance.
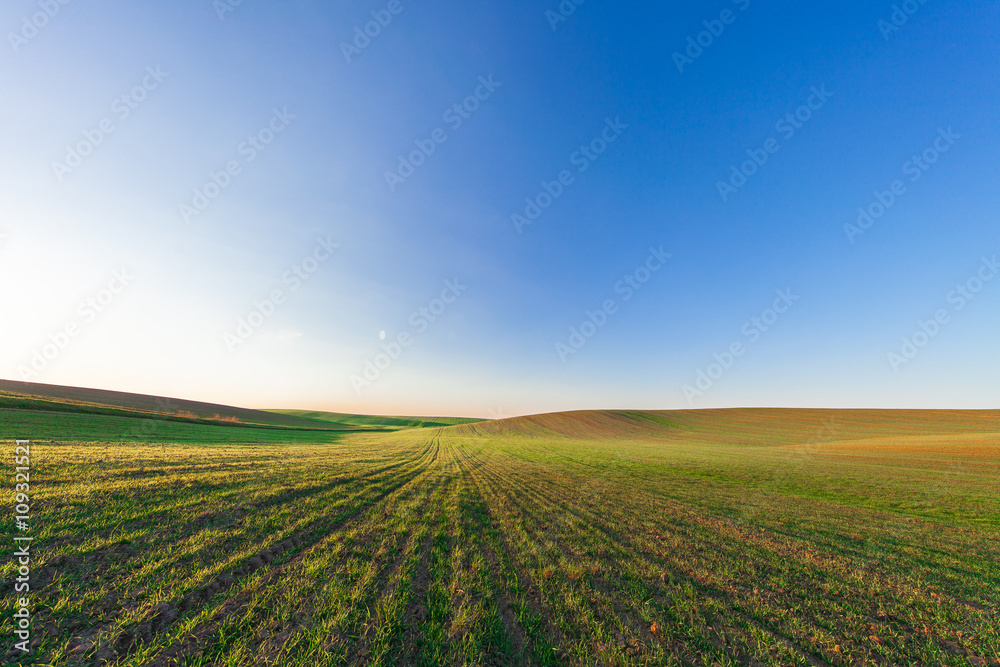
(713, 537)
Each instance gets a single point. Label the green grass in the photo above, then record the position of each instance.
(82, 427)
(696, 538)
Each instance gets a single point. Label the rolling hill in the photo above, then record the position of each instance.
(749, 426)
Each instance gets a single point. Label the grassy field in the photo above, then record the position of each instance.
(730, 537)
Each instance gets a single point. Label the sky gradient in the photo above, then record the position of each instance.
(497, 209)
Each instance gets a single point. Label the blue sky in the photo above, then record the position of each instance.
(190, 89)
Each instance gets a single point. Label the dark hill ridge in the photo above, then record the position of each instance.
(146, 403)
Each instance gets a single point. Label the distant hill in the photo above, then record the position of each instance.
(736, 426)
(750, 426)
(35, 396)
(16, 395)
(376, 420)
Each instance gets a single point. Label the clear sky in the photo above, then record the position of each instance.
(543, 208)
